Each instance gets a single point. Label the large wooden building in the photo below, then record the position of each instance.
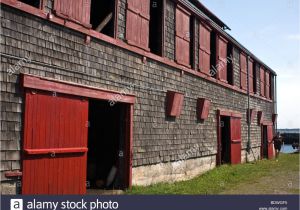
(114, 93)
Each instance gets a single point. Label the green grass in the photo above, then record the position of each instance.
(225, 177)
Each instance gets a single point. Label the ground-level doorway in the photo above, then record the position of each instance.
(74, 139)
(267, 147)
(229, 139)
(106, 163)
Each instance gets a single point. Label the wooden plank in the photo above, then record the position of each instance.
(55, 150)
(104, 22)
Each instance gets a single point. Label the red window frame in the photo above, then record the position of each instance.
(183, 33)
(267, 84)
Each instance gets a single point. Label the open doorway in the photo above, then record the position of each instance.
(225, 139)
(264, 142)
(106, 162)
(102, 16)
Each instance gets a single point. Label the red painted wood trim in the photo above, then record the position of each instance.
(236, 141)
(55, 150)
(30, 81)
(218, 162)
(123, 45)
(230, 113)
(10, 174)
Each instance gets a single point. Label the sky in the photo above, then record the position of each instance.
(270, 29)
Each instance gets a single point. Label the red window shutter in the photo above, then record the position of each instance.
(182, 36)
(222, 58)
(251, 76)
(274, 118)
(137, 23)
(267, 84)
(252, 113)
(262, 81)
(174, 103)
(260, 117)
(77, 11)
(204, 48)
(243, 67)
(203, 106)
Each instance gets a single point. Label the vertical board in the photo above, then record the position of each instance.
(174, 103)
(267, 84)
(251, 76)
(78, 10)
(235, 140)
(204, 48)
(137, 23)
(270, 142)
(203, 106)
(182, 36)
(262, 81)
(222, 58)
(55, 144)
(243, 71)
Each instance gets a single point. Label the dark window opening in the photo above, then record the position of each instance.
(225, 140)
(156, 26)
(34, 3)
(213, 52)
(192, 42)
(264, 142)
(102, 16)
(230, 64)
(106, 146)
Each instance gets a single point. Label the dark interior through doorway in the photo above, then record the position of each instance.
(225, 139)
(264, 142)
(106, 165)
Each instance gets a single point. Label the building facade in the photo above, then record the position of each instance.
(109, 94)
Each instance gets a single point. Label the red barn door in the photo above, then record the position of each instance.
(270, 143)
(235, 140)
(55, 143)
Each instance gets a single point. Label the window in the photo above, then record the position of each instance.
(34, 3)
(137, 23)
(156, 27)
(251, 76)
(182, 36)
(102, 16)
(213, 54)
(267, 80)
(230, 63)
(204, 48)
(221, 58)
(243, 71)
(262, 81)
(76, 11)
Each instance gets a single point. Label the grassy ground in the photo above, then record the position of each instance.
(263, 177)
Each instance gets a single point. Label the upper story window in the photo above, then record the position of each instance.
(204, 48)
(34, 3)
(102, 16)
(183, 38)
(230, 74)
(213, 54)
(156, 26)
(137, 23)
(243, 70)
